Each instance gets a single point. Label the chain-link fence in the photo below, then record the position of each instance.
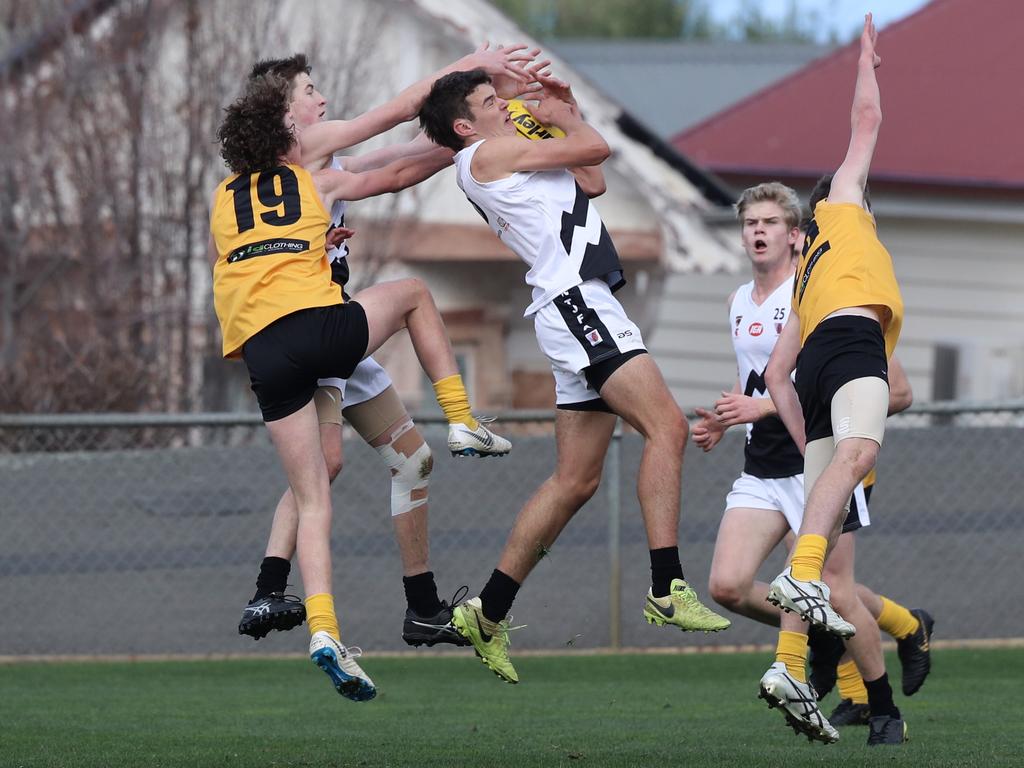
(143, 534)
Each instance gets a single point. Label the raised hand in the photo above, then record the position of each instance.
(551, 110)
(510, 88)
(555, 88)
(501, 62)
(868, 39)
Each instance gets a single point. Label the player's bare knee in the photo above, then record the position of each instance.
(675, 428)
(857, 456)
(576, 490)
(726, 591)
(843, 594)
(418, 291)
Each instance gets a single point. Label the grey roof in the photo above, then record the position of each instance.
(679, 193)
(673, 85)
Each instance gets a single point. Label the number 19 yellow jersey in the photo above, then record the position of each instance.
(270, 231)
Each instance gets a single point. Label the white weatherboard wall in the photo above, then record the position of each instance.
(960, 264)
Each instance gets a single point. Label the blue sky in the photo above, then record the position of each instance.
(842, 15)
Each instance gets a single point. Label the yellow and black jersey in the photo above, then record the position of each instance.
(269, 229)
(527, 125)
(843, 264)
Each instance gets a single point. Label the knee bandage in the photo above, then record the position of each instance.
(408, 475)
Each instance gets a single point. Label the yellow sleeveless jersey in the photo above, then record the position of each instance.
(845, 265)
(529, 126)
(269, 229)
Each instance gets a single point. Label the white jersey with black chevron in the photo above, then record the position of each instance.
(755, 328)
(547, 220)
(338, 218)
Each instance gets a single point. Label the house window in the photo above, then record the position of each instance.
(946, 372)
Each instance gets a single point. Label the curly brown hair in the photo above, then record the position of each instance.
(253, 136)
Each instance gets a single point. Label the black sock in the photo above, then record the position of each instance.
(664, 567)
(421, 594)
(497, 595)
(273, 576)
(880, 697)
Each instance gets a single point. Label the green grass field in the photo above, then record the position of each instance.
(650, 710)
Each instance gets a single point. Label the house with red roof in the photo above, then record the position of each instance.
(947, 187)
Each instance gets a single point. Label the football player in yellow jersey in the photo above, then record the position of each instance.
(847, 313)
(766, 502)
(369, 402)
(281, 313)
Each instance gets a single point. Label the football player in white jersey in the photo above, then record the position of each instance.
(602, 370)
(767, 500)
(367, 400)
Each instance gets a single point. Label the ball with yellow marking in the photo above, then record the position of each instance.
(527, 125)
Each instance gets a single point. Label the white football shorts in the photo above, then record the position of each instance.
(786, 495)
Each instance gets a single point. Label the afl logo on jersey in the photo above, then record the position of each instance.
(755, 329)
(594, 338)
(739, 319)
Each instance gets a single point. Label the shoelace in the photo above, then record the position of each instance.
(504, 626)
(689, 596)
(457, 598)
(351, 651)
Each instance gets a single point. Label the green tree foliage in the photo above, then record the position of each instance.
(664, 19)
(611, 18)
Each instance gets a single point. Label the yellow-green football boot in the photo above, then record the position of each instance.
(682, 608)
(489, 638)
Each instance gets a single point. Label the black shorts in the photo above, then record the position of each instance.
(852, 522)
(841, 349)
(287, 357)
(596, 376)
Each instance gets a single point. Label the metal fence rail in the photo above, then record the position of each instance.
(135, 534)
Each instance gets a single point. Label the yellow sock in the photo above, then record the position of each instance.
(809, 557)
(451, 396)
(851, 686)
(320, 615)
(792, 651)
(896, 620)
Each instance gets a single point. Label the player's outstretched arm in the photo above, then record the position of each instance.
(780, 385)
(865, 120)
(393, 177)
(378, 158)
(322, 140)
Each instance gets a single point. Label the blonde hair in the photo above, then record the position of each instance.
(772, 192)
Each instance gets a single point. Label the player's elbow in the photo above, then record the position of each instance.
(900, 399)
(594, 187)
(867, 117)
(774, 375)
(598, 151)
